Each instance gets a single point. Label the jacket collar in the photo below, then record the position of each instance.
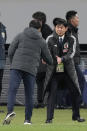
(55, 35)
(73, 29)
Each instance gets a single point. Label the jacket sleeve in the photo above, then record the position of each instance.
(45, 53)
(12, 48)
(71, 51)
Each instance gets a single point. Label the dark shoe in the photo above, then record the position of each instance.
(8, 118)
(27, 122)
(48, 121)
(78, 119)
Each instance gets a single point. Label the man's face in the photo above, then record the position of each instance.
(60, 29)
(75, 21)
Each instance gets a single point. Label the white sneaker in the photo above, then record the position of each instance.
(9, 117)
(27, 122)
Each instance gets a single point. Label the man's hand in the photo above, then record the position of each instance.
(43, 62)
(59, 60)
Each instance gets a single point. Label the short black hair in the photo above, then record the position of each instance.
(70, 14)
(40, 16)
(35, 24)
(59, 21)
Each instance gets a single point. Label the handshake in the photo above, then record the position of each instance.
(59, 60)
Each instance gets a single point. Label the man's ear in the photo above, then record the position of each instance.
(71, 21)
(39, 29)
(66, 28)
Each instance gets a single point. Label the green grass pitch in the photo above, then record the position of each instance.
(62, 121)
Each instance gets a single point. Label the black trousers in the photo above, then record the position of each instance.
(1, 77)
(40, 86)
(57, 78)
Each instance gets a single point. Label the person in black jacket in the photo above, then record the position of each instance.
(62, 48)
(24, 53)
(3, 37)
(73, 22)
(46, 31)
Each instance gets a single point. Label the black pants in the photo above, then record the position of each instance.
(1, 77)
(57, 78)
(40, 82)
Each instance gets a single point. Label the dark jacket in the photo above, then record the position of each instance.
(69, 43)
(45, 31)
(3, 38)
(74, 31)
(26, 50)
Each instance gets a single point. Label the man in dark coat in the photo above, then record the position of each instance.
(73, 22)
(45, 31)
(25, 53)
(62, 48)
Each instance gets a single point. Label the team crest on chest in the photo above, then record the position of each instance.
(66, 46)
